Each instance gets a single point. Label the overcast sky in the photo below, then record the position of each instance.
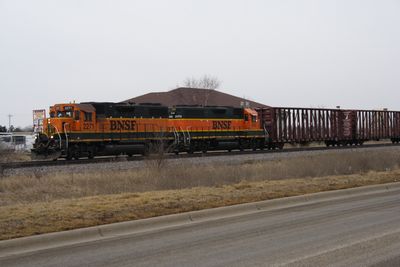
(281, 53)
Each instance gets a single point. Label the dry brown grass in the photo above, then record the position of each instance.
(40, 202)
(42, 186)
(41, 217)
(10, 155)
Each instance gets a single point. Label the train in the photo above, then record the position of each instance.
(90, 129)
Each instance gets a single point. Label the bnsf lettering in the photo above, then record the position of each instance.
(122, 125)
(221, 125)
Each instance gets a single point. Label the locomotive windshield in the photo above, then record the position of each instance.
(64, 114)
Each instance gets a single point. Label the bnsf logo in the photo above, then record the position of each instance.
(222, 124)
(122, 125)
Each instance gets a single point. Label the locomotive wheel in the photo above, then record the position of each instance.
(254, 145)
(262, 146)
(240, 146)
(77, 155)
(204, 147)
(191, 149)
(146, 150)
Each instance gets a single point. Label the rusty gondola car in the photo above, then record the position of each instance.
(332, 126)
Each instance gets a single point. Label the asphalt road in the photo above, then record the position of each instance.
(360, 231)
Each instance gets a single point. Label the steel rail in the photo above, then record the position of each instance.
(27, 164)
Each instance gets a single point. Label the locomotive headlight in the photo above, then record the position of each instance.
(51, 137)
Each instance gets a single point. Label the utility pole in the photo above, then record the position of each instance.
(9, 121)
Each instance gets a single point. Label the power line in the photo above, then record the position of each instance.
(9, 121)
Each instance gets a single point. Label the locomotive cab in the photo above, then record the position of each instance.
(66, 118)
(251, 119)
(63, 119)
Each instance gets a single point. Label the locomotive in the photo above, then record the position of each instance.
(92, 129)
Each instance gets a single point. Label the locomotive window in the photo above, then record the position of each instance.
(246, 117)
(88, 116)
(52, 114)
(219, 111)
(77, 115)
(253, 118)
(62, 114)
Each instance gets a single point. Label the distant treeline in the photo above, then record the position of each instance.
(4, 129)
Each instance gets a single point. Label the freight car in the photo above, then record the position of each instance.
(93, 129)
(335, 127)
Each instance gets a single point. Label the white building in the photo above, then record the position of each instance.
(18, 141)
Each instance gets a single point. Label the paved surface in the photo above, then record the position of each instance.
(360, 231)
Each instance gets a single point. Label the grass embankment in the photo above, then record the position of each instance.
(10, 155)
(43, 203)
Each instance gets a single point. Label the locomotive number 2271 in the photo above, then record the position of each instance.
(88, 126)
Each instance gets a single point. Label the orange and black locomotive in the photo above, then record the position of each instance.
(94, 129)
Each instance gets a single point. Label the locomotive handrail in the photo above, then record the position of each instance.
(59, 135)
(66, 136)
(189, 138)
(176, 136)
(184, 137)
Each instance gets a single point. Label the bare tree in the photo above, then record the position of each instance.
(204, 82)
(157, 150)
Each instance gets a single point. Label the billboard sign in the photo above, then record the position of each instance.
(39, 116)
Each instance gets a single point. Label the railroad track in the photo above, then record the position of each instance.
(27, 164)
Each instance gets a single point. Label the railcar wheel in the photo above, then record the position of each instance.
(204, 147)
(254, 145)
(241, 146)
